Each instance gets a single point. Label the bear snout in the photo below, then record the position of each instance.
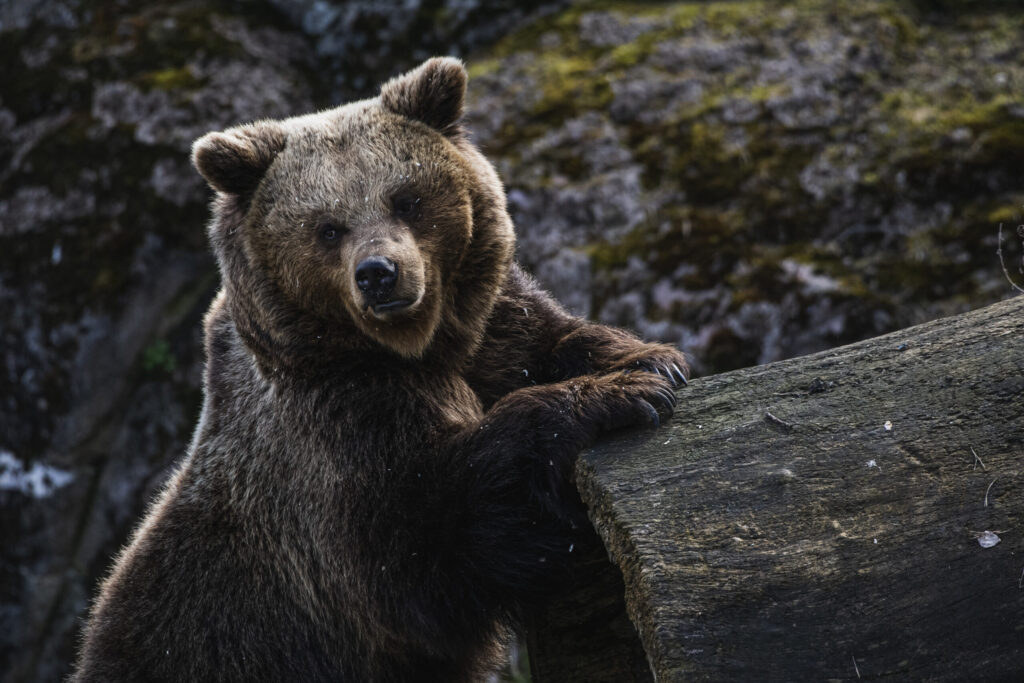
(376, 278)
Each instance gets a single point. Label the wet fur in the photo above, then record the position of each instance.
(365, 504)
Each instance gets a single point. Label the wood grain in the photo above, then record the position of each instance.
(819, 518)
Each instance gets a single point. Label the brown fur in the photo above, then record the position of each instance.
(370, 495)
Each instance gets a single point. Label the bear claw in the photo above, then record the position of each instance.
(652, 414)
(670, 372)
(669, 396)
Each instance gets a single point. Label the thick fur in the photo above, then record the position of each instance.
(369, 495)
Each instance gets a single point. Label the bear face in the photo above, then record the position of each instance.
(366, 234)
(362, 217)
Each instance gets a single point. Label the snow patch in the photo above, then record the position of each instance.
(38, 481)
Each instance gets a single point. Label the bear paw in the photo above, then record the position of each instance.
(661, 360)
(623, 399)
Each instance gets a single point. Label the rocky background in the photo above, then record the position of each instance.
(749, 180)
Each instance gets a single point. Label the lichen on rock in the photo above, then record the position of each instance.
(866, 144)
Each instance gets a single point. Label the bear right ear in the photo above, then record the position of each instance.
(434, 93)
(234, 161)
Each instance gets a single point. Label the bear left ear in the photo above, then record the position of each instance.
(434, 93)
(234, 161)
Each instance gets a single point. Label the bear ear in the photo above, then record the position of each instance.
(235, 160)
(434, 93)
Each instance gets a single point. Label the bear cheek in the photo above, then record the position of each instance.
(412, 282)
(333, 294)
(448, 244)
(443, 251)
(308, 277)
(309, 285)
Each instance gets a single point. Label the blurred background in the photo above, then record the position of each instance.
(749, 180)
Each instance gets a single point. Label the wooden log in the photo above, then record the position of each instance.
(856, 513)
(585, 635)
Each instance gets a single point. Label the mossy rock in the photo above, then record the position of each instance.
(874, 143)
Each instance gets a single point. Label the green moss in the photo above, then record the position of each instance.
(482, 67)
(630, 54)
(705, 165)
(1009, 214)
(150, 45)
(158, 358)
(712, 240)
(956, 149)
(763, 280)
(923, 112)
(87, 48)
(762, 92)
(731, 18)
(962, 6)
(907, 34)
(563, 26)
(569, 87)
(180, 78)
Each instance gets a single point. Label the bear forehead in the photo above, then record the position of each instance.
(367, 135)
(364, 155)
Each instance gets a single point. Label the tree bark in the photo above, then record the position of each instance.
(828, 517)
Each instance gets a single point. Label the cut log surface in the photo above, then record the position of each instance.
(853, 514)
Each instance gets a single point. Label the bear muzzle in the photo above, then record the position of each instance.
(376, 278)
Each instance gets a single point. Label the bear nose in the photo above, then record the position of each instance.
(376, 277)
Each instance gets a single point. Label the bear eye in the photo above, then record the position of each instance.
(329, 232)
(405, 206)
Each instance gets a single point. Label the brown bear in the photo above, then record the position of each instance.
(380, 481)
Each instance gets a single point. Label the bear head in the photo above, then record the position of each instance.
(373, 225)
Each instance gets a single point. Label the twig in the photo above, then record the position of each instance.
(779, 421)
(999, 251)
(855, 666)
(977, 460)
(989, 489)
(1020, 581)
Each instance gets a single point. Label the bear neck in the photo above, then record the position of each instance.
(286, 339)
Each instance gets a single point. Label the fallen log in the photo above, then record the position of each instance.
(856, 513)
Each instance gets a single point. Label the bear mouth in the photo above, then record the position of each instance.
(390, 306)
(390, 310)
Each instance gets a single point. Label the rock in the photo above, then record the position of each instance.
(105, 277)
(364, 43)
(716, 163)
